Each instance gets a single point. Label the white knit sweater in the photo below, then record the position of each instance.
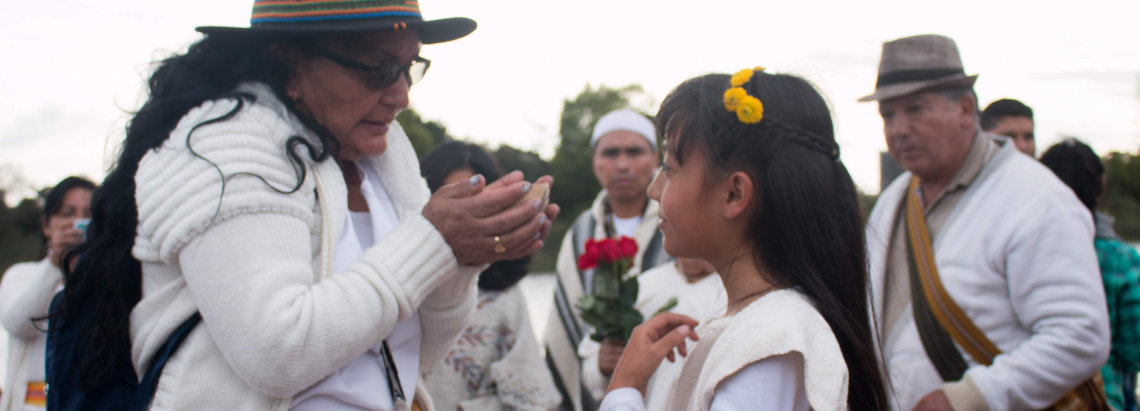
(25, 293)
(256, 262)
(1016, 254)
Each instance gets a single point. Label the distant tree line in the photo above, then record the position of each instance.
(20, 238)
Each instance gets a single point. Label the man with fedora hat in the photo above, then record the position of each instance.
(979, 306)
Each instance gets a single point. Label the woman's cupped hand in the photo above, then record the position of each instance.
(471, 214)
(652, 342)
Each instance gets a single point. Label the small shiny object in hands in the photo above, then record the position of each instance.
(537, 192)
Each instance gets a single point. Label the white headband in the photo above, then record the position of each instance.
(625, 120)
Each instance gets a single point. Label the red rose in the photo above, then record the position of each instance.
(628, 247)
(608, 250)
(587, 261)
(589, 257)
(591, 247)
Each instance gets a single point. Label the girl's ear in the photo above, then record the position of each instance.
(740, 191)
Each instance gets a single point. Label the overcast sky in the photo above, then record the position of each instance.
(73, 70)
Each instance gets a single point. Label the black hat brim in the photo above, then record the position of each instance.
(431, 32)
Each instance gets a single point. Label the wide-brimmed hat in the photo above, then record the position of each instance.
(917, 63)
(292, 17)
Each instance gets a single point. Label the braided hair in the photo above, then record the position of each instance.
(808, 231)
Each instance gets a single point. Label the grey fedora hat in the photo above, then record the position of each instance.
(917, 63)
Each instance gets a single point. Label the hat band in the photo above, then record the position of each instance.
(905, 76)
(278, 11)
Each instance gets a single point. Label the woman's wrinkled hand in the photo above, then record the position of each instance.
(651, 342)
(471, 214)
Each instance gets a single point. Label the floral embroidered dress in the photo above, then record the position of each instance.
(496, 363)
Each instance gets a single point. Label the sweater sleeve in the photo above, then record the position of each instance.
(25, 293)
(207, 173)
(445, 313)
(623, 399)
(1056, 293)
(252, 279)
(777, 382)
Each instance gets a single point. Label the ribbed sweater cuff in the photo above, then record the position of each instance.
(455, 292)
(418, 258)
(965, 396)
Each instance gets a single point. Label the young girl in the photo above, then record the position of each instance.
(752, 183)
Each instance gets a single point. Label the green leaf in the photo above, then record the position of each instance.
(668, 306)
(592, 318)
(587, 302)
(629, 290)
(630, 319)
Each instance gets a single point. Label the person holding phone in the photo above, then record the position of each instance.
(27, 288)
(266, 188)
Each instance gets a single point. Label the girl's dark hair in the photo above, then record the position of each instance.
(1078, 166)
(106, 282)
(807, 226)
(457, 155)
(53, 203)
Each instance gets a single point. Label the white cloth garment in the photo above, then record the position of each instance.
(626, 227)
(701, 301)
(624, 120)
(1027, 275)
(496, 364)
(363, 384)
(257, 262)
(25, 293)
(781, 322)
(776, 382)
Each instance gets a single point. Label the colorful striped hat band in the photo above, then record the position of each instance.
(288, 11)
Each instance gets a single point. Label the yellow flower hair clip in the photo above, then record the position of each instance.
(736, 99)
(741, 77)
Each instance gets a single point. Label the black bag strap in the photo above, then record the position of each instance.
(145, 391)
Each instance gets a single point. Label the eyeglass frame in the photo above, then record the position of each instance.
(370, 69)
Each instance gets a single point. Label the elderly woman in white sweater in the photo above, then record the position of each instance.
(277, 197)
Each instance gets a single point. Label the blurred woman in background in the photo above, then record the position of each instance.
(496, 364)
(1078, 166)
(27, 289)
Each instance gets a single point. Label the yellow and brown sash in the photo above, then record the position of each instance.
(1089, 396)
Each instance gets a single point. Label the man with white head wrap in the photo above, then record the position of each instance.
(624, 158)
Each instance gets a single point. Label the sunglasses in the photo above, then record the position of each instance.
(377, 76)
